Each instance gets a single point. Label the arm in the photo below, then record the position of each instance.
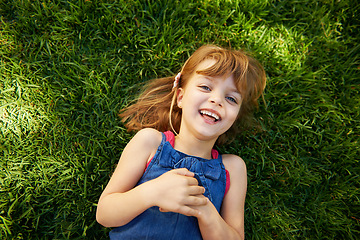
(121, 201)
(230, 224)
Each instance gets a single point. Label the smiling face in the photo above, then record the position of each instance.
(210, 105)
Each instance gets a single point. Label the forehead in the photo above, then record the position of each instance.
(205, 64)
(204, 68)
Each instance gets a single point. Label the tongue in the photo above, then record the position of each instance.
(209, 118)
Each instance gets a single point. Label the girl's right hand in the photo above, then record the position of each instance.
(177, 191)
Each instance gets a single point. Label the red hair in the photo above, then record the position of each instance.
(155, 107)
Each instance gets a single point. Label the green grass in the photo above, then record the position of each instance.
(67, 67)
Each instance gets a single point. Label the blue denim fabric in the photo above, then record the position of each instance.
(153, 224)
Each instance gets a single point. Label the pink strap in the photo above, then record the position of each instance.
(170, 137)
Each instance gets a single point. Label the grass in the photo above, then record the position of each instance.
(67, 67)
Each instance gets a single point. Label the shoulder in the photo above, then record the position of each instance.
(237, 173)
(150, 134)
(145, 143)
(148, 137)
(234, 164)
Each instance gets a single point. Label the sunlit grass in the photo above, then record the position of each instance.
(67, 67)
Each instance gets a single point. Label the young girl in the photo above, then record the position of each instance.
(170, 183)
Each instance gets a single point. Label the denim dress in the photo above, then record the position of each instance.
(155, 225)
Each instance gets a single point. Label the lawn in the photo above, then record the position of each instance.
(68, 67)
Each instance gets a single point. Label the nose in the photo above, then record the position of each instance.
(216, 99)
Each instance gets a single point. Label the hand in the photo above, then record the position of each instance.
(178, 191)
(206, 211)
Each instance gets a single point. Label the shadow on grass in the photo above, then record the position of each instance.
(69, 67)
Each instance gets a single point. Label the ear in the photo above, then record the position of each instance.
(180, 95)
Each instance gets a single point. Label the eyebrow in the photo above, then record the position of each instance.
(235, 90)
(232, 89)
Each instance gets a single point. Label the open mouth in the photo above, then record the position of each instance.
(211, 116)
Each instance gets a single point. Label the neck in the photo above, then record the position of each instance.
(190, 145)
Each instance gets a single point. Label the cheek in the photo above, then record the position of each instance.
(235, 114)
(193, 97)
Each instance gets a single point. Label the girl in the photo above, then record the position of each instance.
(170, 183)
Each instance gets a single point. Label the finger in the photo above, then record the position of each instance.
(192, 181)
(196, 190)
(185, 210)
(198, 200)
(163, 210)
(184, 172)
(188, 211)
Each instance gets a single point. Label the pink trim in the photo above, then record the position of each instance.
(170, 137)
(227, 181)
(214, 153)
(148, 163)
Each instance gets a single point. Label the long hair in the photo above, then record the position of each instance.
(156, 107)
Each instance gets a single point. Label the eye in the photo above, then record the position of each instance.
(232, 99)
(205, 87)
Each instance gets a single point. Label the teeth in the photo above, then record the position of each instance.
(211, 114)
